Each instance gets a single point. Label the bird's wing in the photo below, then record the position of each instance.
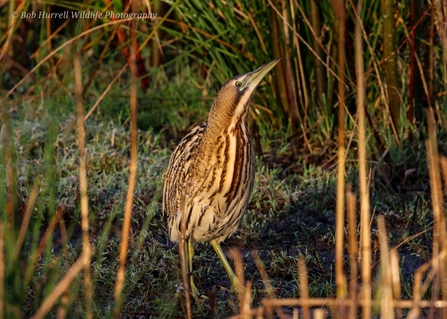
(179, 165)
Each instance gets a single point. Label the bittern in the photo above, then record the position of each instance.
(215, 162)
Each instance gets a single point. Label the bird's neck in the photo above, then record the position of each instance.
(221, 123)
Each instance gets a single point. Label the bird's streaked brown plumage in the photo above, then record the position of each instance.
(217, 162)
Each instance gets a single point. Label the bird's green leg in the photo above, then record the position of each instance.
(194, 289)
(235, 283)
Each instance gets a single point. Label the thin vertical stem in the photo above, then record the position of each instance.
(364, 191)
(247, 301)
(395, 277)
(412, 57)
(2, 270)
(132, 170)
(353, 250)
(184, 262)
(443, 163)
(289, 85)
(320, 313)
(11, 25)
(83, 188)
(390, 63)
(439, 233)
(442, 30)
(304, 288)
(318, 66)
(431, 59)
(386, 307)
(340, 13)
(235, 254)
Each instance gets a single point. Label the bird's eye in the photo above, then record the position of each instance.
(238, 84)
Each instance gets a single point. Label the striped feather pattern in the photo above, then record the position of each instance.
(221, 173)
(217, 161)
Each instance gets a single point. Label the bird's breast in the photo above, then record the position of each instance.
(230, 172)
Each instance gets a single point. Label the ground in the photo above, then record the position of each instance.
(291, 215)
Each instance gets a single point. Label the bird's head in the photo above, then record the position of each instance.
(232, 100)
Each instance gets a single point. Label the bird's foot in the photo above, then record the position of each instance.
(195, 292)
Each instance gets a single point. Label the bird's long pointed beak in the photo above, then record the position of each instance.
(253, 78)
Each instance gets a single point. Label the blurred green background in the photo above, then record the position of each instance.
(184, 55)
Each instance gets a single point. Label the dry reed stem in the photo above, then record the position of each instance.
(326, 302)
(83, 188)
(353, 250)
(304, 288)
(247, 301)
(235, 254)
(310, 27)
(2, 270)
(308, 46)
(421, 67)
(119, 285)
(25, 221)
(320, 313)
(395, 277)
(11, 24)
(386, 288)
(441, 14)
(61, 287)
(439, 232)
(265, 279)
(299, 69)
(182, 247)
(267, 284)
(300, 79)
(420, 288)
(380, 83)
(252, 313)
(258, 34)
(431, 276)
(442, 276)
(364, 191)
(62, 310)
(341, 164)
(290, 92)
(302, 89)
(410, 238)
(431, 60)
(443, 163)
